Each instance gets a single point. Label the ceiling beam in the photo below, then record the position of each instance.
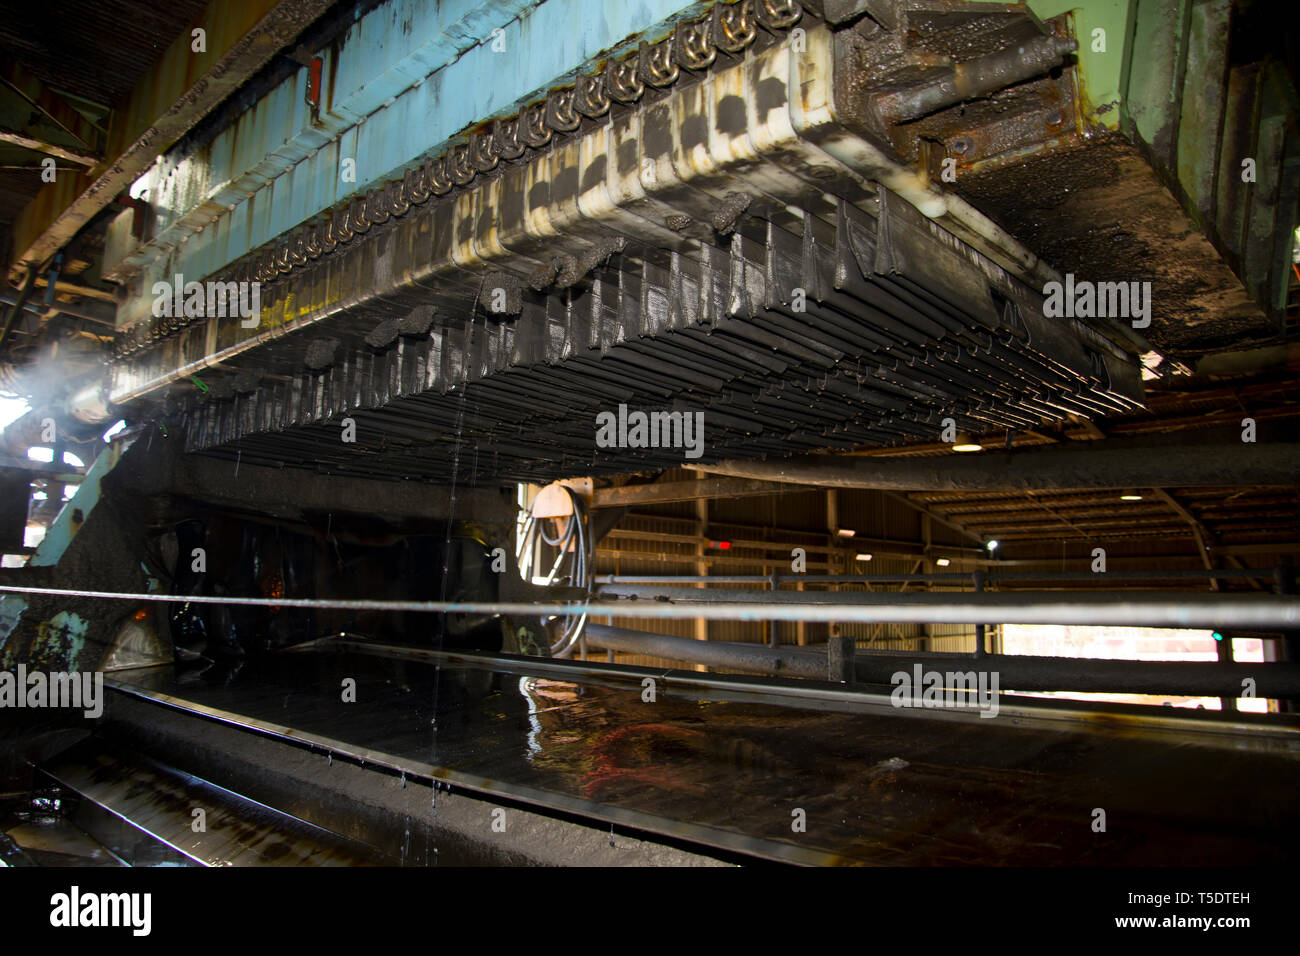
(937, 516)
(790, 538)
(854, 544)
(180, 89)
(1204, 540)
(56, 110)
(27, 140)
(76, 288)
(1052, 562)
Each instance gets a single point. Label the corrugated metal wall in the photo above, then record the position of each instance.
(762, 530)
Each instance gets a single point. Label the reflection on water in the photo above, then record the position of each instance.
(882, 787)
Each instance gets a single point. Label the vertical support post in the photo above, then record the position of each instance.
(832, 553)
(1288, 648)
(927, 641)
(979, 628)
(801, 627)
(701, 566)
(839, 660)
(1224, 650)
(609, 619)
(773, 638)
(1284, 583)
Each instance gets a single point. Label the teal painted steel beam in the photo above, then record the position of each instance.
(402, 83)
(77, 509)
(70, 519)
(391, 48)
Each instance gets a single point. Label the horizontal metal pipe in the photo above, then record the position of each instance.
(1174, 460)
(1251, 360)
(1261, 612)
(1192, 574)
(718, 686)
(974, 78)
(1085, 675)
(744, 658)
(670, 579)
(1043, 599)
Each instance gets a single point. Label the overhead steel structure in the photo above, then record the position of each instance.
(707, 224)
(436, 241)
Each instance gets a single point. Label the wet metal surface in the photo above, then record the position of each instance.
(160, 805)
(877, 785)
(36, 831)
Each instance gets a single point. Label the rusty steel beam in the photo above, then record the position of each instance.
(1158, 560)
(36, 144)
(180, 90)
(779, 543)
(76, 288)
(943, 519)
(86, 137)
(1204, 539)
(1117, 533)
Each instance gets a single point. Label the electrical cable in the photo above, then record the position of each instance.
(573, 544)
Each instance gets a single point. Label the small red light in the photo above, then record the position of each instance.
(720, 545)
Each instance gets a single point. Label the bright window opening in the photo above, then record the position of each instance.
(1133, 644)
(12, 409)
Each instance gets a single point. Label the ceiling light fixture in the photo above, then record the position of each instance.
(943, 562)
(864, 557)
(1130, 495)
(965, 443)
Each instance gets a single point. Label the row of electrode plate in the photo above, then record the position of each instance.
(874, 359)
(692, 46)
